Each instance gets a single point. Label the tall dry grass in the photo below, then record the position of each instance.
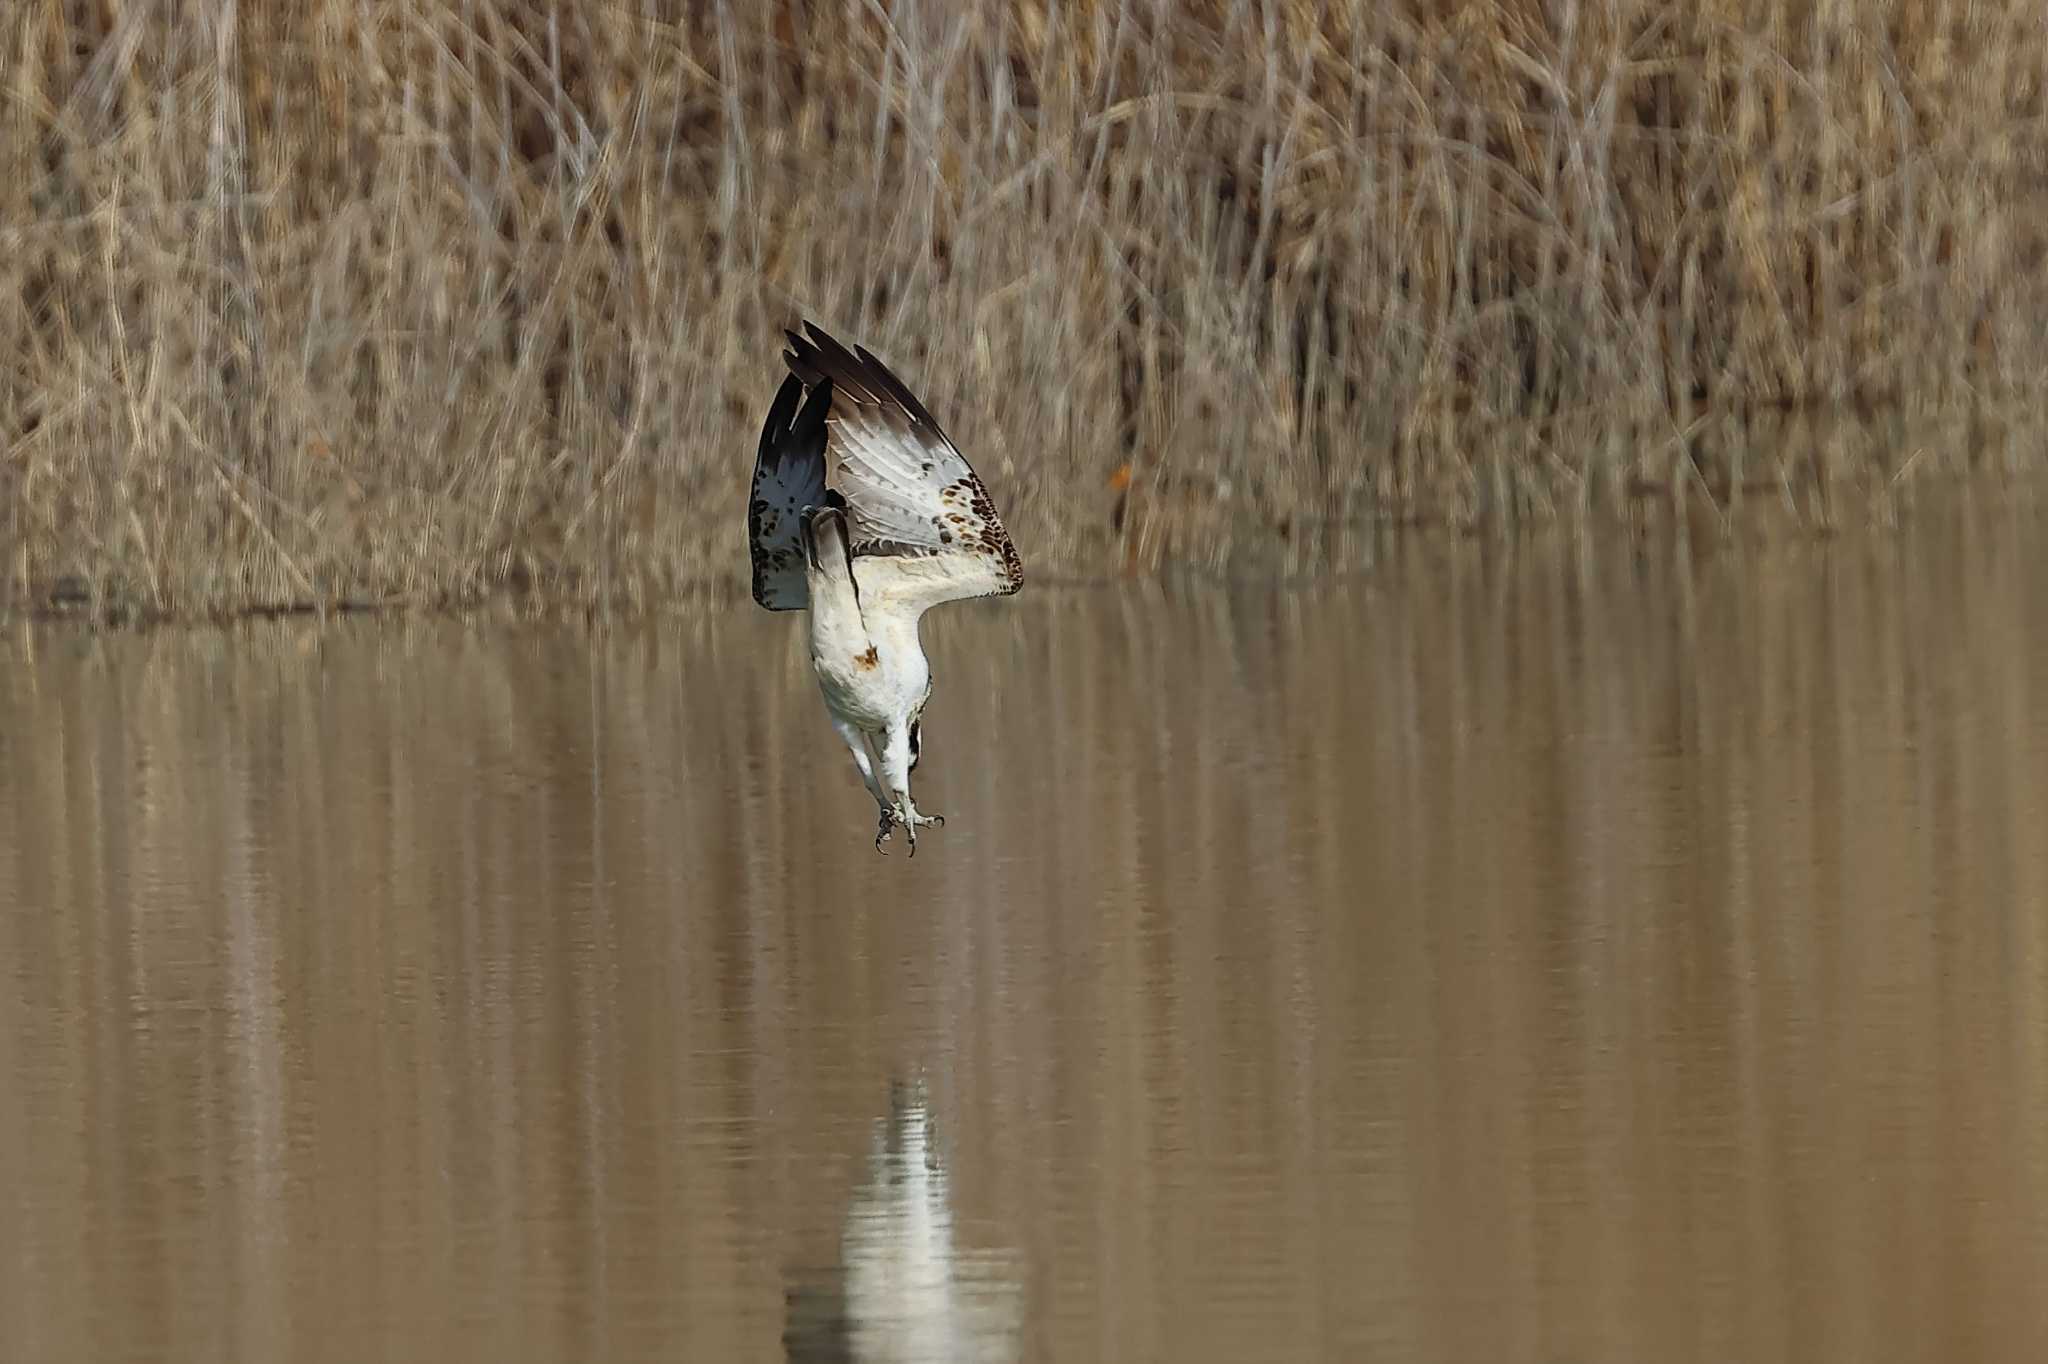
(399, 300)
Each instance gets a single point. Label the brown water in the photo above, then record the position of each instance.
(1525, 953)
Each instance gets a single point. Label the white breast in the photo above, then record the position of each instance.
(873, 673)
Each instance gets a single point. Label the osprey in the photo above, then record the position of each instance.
(865, 513)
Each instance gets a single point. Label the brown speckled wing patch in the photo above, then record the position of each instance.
(909, 491)
(789, 475)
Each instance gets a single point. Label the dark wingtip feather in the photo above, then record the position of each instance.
(863, 378)
(807, 433)
(804, 359)
(828, 345)
(894, 386)
(781, 413)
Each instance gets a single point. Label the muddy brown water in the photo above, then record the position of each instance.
(1531, 951)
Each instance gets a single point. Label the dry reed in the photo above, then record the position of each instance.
(405, 301)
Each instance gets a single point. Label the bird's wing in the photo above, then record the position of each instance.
(925, 530)
(789, 475)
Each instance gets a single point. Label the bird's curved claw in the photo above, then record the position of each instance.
(913, 819)
(909, 820)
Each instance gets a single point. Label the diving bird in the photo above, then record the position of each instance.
(864, 513)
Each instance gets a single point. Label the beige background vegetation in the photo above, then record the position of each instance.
(398, 301)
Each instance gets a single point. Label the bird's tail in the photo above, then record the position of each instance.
(827, 548)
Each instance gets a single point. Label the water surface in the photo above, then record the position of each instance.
(1528, 952)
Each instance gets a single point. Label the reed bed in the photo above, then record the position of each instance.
(393, 301)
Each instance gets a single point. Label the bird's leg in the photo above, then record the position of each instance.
(896, 782)
(857, 742)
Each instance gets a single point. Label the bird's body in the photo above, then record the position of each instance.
(907, 526)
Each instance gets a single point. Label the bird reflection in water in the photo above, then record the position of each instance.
(905, 1293)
